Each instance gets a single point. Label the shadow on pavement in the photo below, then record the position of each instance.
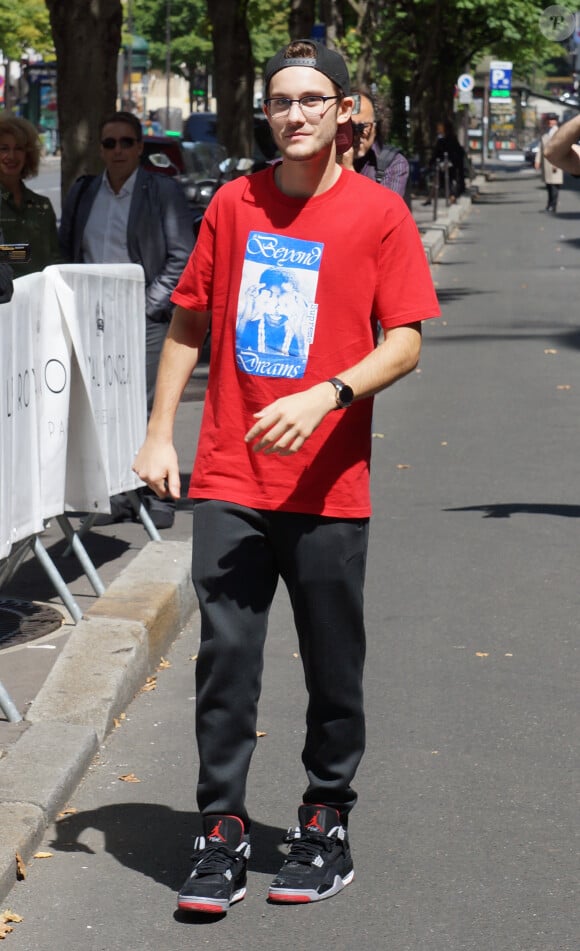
(507, 509)
(163, 853)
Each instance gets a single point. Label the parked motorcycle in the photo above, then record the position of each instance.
(206, 168)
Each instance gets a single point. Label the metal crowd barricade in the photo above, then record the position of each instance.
(72, 358)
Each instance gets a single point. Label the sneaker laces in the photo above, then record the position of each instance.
(305, 847)
(215, 858)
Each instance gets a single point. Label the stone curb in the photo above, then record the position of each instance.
(437, 233)
(105, 661)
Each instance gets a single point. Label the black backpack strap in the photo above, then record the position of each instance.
(385, 157)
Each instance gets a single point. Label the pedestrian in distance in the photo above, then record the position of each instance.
(371, 156)
(130, 215)
(281, 476)
(25, 216)
(447, 148)
(552, 175)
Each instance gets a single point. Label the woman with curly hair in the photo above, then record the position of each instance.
(25, 216)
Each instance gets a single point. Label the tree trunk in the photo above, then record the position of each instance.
(233, 75)
(87, 38)
(301, 19)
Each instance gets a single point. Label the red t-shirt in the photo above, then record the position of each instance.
(295, 288)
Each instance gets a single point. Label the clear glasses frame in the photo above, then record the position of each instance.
(312, 107)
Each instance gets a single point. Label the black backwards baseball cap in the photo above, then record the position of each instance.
(326, 61)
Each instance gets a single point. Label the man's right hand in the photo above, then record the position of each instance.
(156, 464)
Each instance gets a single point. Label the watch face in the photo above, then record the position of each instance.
(346, 395)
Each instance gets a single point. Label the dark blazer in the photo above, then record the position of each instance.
(159, 233)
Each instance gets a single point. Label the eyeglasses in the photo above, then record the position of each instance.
(311, 107)
(126, 142)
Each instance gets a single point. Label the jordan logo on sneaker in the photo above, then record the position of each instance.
(313, 823)
(215, 834)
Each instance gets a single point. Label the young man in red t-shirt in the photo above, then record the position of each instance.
(296, 265)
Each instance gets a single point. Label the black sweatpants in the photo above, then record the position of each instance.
(238, 556)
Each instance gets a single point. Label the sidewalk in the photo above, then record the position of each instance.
(71, 684)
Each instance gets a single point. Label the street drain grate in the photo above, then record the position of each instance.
(23, 621)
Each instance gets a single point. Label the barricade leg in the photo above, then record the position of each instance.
(56, 578)
(143, 515)
(7, 706)
(75, 543)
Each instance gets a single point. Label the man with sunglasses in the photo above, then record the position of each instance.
(372, 157)
(281, 477)
(130, 215)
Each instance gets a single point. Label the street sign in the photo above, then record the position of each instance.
(500, 79)
(465, 97)
(465, 83)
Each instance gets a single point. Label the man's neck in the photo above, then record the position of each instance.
(309, 178)
(117, 182)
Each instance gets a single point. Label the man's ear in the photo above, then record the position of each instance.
(345, 107)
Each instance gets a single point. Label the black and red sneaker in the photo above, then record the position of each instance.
(218, 877)
(318, 864)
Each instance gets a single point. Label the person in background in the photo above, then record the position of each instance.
(448, 145)
(6, 284)
(130, 215)
(281, 477)
(25, 216)
(552, 174)
(371, 156)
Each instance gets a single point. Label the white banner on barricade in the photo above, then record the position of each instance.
(107, 329)
(73, 397)
(20, 497)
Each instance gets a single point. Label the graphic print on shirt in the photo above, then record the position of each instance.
(276, 305)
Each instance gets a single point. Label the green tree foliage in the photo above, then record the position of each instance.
(422, 46)
(191, 47)
(24, 25)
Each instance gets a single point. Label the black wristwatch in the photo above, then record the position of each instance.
(344, 393)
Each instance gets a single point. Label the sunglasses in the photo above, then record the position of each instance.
(126, 142)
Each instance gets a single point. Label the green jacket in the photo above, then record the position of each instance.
(34, 223)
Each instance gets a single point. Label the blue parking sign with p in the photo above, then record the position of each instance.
(500, 77)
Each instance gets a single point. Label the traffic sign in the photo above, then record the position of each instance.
(465, 83)
(500, 78)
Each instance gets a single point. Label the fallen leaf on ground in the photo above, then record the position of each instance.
(378, 435)
(403, 465)
(564, 386)
(261, 733)
(481, 654)
(11, 916)
(129, 778)
(164, 664)
(150, 684)
(69, 811)
(20, 868)
(42, 855)
(193, 657)
(550, 351)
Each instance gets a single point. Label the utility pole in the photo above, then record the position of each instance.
(168, 60)
(130, 52)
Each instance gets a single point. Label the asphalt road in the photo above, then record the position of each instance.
(465, 836)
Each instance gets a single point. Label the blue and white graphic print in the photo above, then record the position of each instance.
(276, 307)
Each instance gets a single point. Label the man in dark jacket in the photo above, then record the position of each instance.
(128, 215)
(6, 286)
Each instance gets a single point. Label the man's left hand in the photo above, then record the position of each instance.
(284, 426)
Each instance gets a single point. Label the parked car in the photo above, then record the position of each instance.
(531, 151)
